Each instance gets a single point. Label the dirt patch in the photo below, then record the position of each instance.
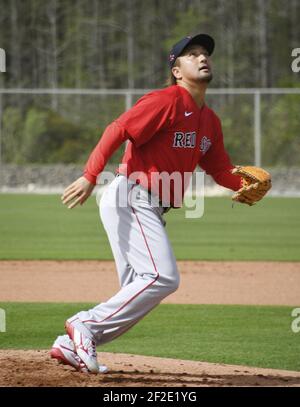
(264, 283)
(253, 283)
(35, 368)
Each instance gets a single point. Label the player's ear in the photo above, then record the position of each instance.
(176, 72)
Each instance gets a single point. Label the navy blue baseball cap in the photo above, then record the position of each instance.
(201, 39)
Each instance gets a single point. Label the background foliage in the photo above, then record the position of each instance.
(97, 44)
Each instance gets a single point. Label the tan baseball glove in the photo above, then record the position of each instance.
(256, 182)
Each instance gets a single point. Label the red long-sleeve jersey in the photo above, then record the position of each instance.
(168, 134)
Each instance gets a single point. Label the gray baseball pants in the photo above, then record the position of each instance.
(144, 259)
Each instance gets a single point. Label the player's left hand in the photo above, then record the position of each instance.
(256, 182)
(77, 192)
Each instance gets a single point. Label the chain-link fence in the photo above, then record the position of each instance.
(45, 131)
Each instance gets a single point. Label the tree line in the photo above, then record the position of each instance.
(115, 44)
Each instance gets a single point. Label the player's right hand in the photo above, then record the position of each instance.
(77, 192)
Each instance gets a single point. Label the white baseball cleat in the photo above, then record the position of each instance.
(84, 347)
(63, 350)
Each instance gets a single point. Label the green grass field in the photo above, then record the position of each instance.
(40, 227)
(251, 336)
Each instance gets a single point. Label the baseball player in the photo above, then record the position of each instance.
(168, 131)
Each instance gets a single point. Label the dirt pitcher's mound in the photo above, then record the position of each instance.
(35, 368)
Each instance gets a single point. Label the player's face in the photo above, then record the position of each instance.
(195, 65)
